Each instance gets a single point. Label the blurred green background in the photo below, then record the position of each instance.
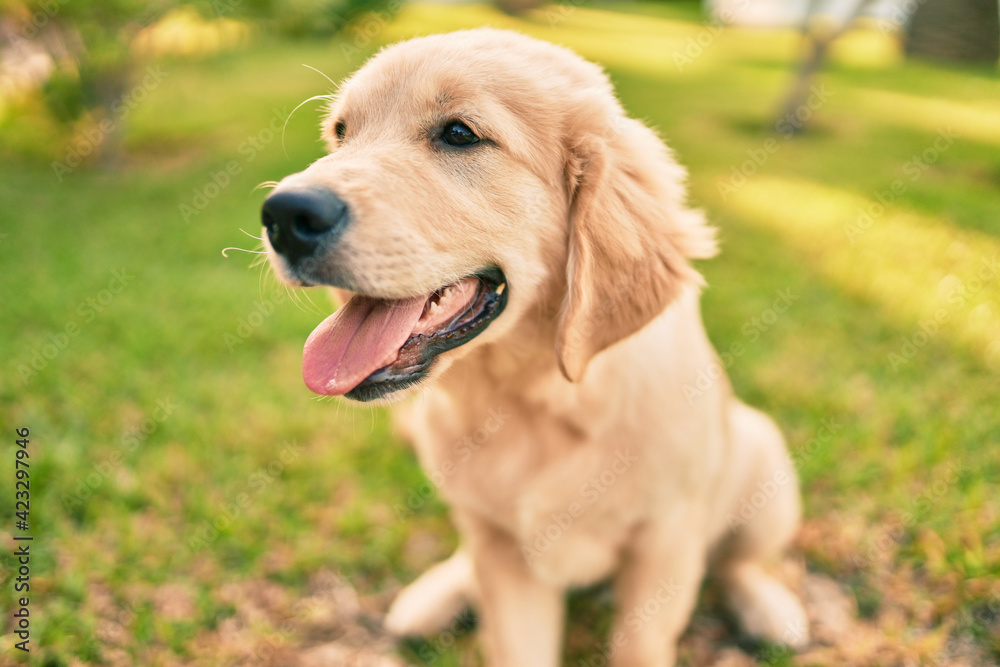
(193, 504)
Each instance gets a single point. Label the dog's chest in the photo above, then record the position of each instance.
(569, 502)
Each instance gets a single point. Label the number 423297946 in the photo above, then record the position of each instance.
(22, 495)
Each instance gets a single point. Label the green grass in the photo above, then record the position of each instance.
(162, 414)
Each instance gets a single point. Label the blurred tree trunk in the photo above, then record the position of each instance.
(108, 88)
(955, 30)
(818, 41)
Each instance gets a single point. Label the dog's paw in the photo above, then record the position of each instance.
(430, 603)
(767, 609)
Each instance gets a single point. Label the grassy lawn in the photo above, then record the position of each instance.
(189, 493)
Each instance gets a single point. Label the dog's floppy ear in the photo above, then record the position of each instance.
(630, 239)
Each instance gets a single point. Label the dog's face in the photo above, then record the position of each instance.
(454, 197)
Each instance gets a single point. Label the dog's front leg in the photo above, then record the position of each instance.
(521, 617)
(657, 589)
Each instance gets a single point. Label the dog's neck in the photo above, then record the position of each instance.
(522, 368)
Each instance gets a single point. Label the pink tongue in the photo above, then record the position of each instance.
(354, 342)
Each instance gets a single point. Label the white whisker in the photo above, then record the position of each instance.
(314, 97)
(332, 82)
(266, 184)
(315, 309)
(252, 252)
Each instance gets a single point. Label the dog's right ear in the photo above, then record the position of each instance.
(630, 238)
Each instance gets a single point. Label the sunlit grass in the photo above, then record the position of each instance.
(977, 119)
(870, 46)
(914, 266)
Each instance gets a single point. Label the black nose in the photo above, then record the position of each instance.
(300, 221)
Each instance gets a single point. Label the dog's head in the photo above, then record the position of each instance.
(474, 178)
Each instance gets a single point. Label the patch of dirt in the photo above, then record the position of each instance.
(882, 612)
(331, 627)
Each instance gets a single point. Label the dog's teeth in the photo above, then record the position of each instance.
(500, 289)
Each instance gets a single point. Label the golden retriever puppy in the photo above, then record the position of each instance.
(514, 247)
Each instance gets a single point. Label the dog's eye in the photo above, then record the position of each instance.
(457, 133)
(340, 130)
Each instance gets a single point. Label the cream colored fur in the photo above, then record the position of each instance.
(584, 373)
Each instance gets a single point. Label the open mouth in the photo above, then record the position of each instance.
(372, 347)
